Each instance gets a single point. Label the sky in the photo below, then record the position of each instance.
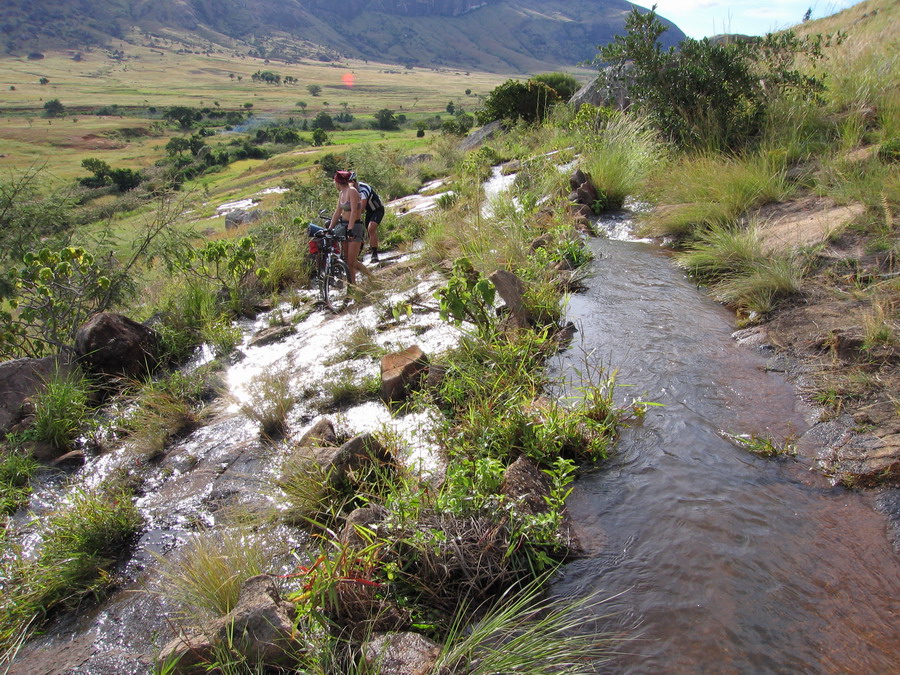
(705, 18)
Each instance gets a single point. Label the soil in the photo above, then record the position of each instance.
(856, 385)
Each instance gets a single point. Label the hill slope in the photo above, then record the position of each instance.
(490, 35)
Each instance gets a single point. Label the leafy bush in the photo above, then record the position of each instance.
(513, 100)
(54, 292)
(562, 83)
(706, 94)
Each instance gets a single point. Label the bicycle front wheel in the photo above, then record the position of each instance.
(334, 284)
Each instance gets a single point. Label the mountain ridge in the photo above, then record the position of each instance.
(490, 35)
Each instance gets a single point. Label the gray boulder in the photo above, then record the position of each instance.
(479, 136)
(240, 217)
(112, 344)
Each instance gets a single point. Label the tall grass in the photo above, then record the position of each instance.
(740, 272)
(204, 577)
(270, 401)
(16, 471)
(620, 157)
(524, 633)
(703, 191)
(61, 410)
(80, 541)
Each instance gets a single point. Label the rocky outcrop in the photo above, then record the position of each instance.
(21, 379)
(260, 627)
(112, 344)
(479, 136)
(401, 374)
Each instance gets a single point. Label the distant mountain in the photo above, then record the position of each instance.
(492, 35)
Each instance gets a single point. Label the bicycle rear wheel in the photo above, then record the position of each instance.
(333, 284)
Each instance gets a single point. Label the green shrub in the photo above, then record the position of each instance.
(709, 95)
(513, 101)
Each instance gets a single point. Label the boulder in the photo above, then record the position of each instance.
(21, 379)
(260, 627)
(240, 217)
(351, 463)
(367, 518)
(512, 290)
(529, 488)
(322, 432)
(112, 344)
(401, 653)
(401, 373)
(479, 136)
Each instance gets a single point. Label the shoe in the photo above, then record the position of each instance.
(374, 258)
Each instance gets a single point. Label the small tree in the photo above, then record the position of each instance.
(314, 89)
(54, 108)
(44, 80)
(385, 120)
(323, 121)
(319, 137)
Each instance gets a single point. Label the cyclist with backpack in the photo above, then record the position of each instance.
(371, 203)
(347, 219)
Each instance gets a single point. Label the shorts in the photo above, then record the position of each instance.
(356, 234)
(375, 215)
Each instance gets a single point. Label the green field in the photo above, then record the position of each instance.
(157, 78)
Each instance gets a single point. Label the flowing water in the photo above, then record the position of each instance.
(719, 561)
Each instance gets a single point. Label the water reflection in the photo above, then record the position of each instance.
(725, 562)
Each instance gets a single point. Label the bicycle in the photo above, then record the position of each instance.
(331, 270)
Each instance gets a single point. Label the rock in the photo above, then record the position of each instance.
(401, 374)
(361, 518)
(260, 626)
(435, 377)
(113, 344)
(586, 193)
(593, 93)
(21, 379)
(401, 654)
(320, 432)
(351, 463)
(240, 217)
(577, 178)
(525, 484)
(479, 136)
(512, 290)
(270, 335)
(72, 458)
(577, 210)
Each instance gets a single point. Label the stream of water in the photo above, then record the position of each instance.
(719, 561)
